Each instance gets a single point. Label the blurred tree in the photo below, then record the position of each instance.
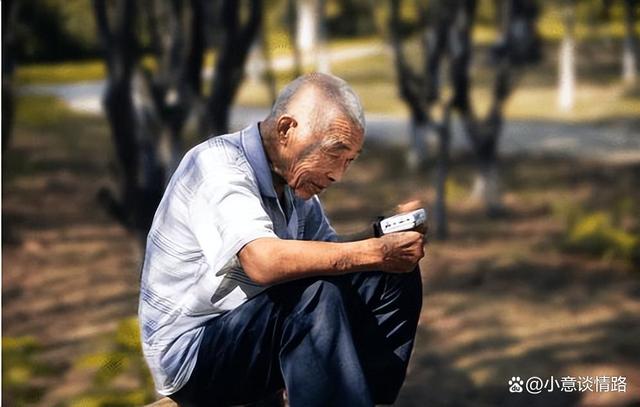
(307, 32)
(260, 64)
(54, 30)
(567, 58)
(447, 34)
(9, 13)
(292, 28)
(631, 48)
(351, 18)
(148, 104)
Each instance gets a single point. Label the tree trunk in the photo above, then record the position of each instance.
(269, 75)
(486, 187)
(442, 173)
(237, 40)
(130, 119)
(310, 36)
(566, 61)
(418, 150)
(630, 46)
(148, 109)
(9, 15)
(411, 92)
(292, 26)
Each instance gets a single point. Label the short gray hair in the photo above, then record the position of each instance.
(335, 89)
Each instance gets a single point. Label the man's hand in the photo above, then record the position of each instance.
(401, 251)
(409, 206)
(412, 206)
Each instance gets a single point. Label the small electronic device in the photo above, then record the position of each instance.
(400, 223)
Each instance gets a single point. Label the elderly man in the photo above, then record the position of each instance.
(245, 288)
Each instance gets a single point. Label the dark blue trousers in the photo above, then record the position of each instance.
(336, 341)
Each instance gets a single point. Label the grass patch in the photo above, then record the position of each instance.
(39, 111)
(65, 72)
(609, 234)
(121, 363)
(21, 370)
(600, 93)
(48, 136)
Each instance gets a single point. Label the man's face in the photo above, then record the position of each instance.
(320, 158)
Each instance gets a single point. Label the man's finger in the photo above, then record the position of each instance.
(409, 206)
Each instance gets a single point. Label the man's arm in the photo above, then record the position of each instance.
(271, 260)
(369, 233)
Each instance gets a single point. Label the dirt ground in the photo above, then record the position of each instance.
(501, 299)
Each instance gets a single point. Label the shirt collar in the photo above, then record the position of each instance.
(254, 150)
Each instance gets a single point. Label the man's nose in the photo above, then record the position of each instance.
(335, 175)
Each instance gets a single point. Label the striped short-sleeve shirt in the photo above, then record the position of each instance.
(220, 198)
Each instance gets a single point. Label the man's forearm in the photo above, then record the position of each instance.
(270, 260)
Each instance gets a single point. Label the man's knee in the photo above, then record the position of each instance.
(406, 287)
(322, 296)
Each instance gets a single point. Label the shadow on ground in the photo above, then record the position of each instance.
(501, 298)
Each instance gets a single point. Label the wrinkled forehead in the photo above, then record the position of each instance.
(341, 133)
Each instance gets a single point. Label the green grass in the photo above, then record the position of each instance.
(611, 233)
(375, 183)
(65, 72)
(38, 111)
(71, 72)
(45, 123)
(122, 359)
(550, 27)
(21, 370)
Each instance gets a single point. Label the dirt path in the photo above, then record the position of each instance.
(500, 299)
(69, 271)
(615, 141)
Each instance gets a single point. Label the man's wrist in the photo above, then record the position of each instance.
(372, 253)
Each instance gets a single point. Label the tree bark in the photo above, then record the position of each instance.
(147, 108)
(292, 26)
(237, 39)
(120, 47)
(567, 60)
(630, 47)
(447, 33)
(410, 87)
(9, 15)
(442, 173)
(420, 91)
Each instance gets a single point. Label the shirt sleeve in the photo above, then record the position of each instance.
(226, 214)
(317, 226)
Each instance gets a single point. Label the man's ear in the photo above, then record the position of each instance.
(284, 127)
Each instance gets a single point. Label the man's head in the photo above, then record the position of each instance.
(315, 130)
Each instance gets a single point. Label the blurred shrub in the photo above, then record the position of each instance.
(54, 30)
(456, 191)
(38, 111)
(602, 233)
(122, 363)
(350, 18)
(65, 72)
(22, 373)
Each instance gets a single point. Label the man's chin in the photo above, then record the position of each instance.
(306, 191)
(303, 194)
